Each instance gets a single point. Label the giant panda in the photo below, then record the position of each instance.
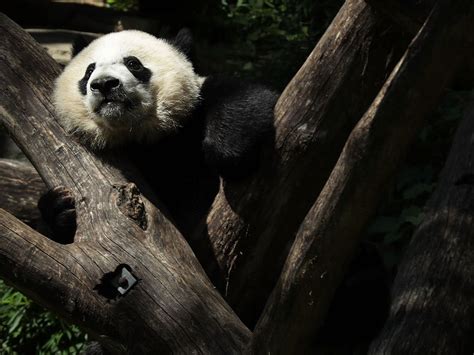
(135, 94)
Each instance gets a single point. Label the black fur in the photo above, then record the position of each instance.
(184, 42)
(80, 42)
(238, 119)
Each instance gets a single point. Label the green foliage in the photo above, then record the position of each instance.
(26, 328)
(274, 36)
(122, 5)
(402, 211)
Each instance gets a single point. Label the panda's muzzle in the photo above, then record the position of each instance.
(109, 99)
(105, 85)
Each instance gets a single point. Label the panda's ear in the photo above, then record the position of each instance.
(80, 42)
(184, 42)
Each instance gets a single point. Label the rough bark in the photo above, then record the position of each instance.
(173, 308)
(252, 224)
(332, 228)
(21, 188)
(433, 293)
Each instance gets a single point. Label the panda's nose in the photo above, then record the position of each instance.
(104, 84)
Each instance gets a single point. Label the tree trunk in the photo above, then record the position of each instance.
(173, 308)
(252, 224)
(433, 294)
(332, 228)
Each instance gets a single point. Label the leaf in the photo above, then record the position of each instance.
(390, 238)
(248, 66)
(384, 225)
(417, 190)
(412, 215)
(15, 320)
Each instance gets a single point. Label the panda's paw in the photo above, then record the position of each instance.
(57, 207)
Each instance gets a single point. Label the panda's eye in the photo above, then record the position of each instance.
(133, 63)
(137, 69)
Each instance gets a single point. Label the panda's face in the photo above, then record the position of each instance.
(126, 86)
(117, 90)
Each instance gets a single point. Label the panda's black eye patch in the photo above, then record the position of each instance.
(136, 67)
(133, 63)
(83, 82)
(90, 69)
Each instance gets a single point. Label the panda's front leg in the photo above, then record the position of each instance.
(57, 207)
(238, 122)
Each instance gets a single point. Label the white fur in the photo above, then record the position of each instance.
(164, 103)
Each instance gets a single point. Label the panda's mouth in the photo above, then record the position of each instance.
(106, 101)
(116, 107)
(112, 108)
(111, 102)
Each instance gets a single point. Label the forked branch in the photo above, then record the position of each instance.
(332, 228)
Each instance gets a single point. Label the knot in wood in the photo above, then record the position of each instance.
(131, 205)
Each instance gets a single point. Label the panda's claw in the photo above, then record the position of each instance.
(57, 207)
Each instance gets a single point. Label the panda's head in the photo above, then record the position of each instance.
(126, 86)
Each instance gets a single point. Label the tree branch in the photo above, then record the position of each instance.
(252, 223)
(332, 228)
(436, 277)
(35, 264)
(173, 308)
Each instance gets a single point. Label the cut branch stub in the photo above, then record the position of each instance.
(331, 230)
(174, 308)
(130, 204)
